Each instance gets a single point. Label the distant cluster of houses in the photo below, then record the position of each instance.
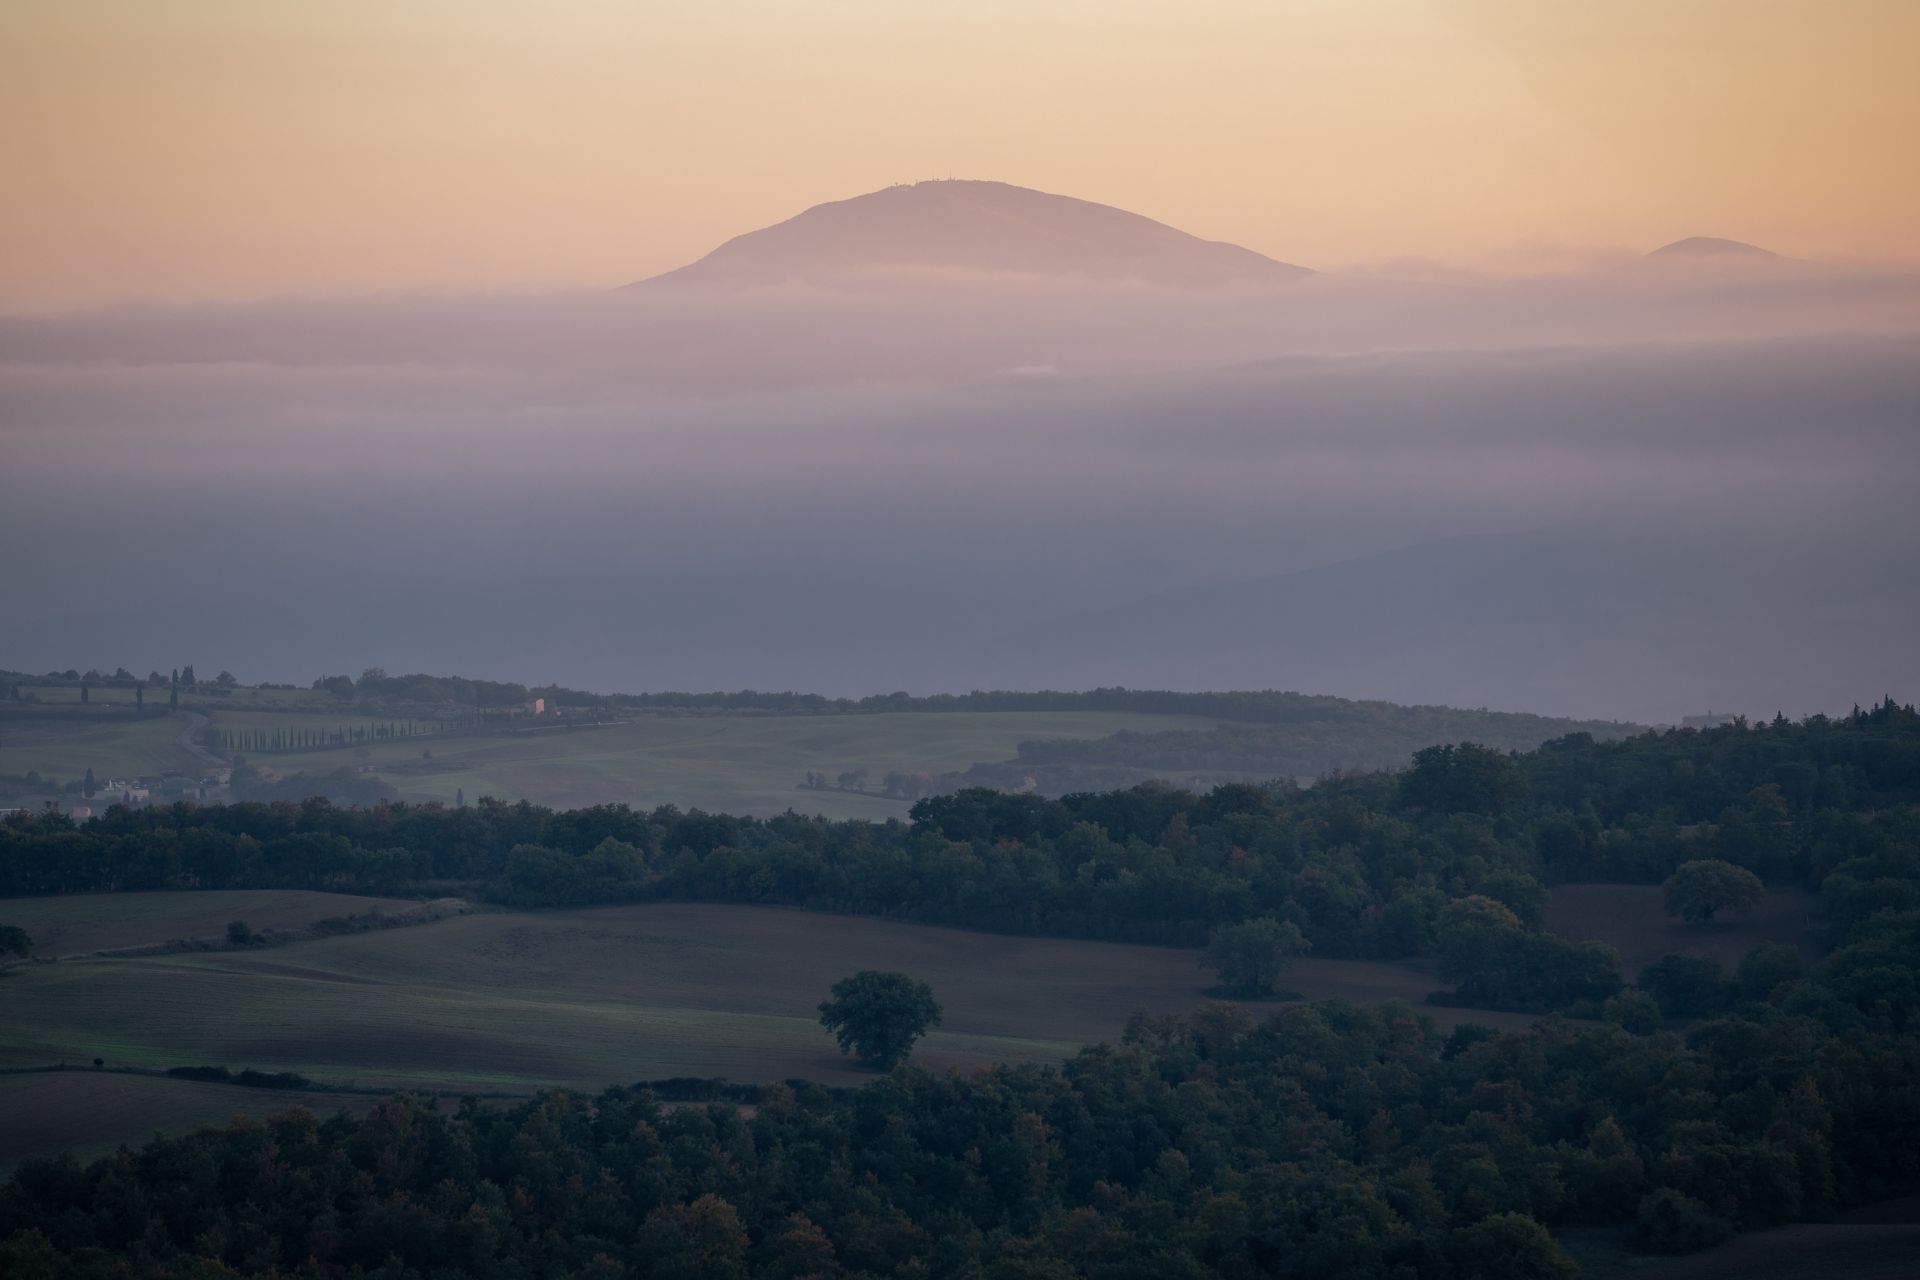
(136, 792)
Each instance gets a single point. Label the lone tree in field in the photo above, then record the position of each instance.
(879, 1015)
(1251, 956)
(1699, 889)
(14, 941)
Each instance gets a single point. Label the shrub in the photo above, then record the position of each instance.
(248, 1077)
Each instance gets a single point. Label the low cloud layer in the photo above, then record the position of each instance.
(855, 494)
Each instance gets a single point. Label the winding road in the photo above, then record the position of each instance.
(185, 741)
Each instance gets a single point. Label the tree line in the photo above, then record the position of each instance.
(227, 739)
(1308, 715)
(1373, 866)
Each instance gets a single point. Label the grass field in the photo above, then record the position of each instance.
(515, 1001)
(746, 764)
(592, 997)
(83, 923)
(90, 1114)
(110, 742)
(1632, 919)
(734, 763)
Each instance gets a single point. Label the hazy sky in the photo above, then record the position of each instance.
(233, 148)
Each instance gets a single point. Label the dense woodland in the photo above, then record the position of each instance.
(1326, 1141)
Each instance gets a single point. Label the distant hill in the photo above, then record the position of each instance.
(420, 737)
(1711, 247)
(974, 228)
(1278, 735)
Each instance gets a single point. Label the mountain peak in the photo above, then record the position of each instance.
(967, 228)
(1710, 247)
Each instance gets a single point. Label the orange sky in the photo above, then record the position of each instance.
(192, 149)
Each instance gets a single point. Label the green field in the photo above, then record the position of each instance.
(727, 763)
(722, 762)
(516, 1001)
(596, 996)
(80, 923)
(108, 740)
(583, 998)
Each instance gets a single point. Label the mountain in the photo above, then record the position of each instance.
(1710, 247)
(980, 229)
